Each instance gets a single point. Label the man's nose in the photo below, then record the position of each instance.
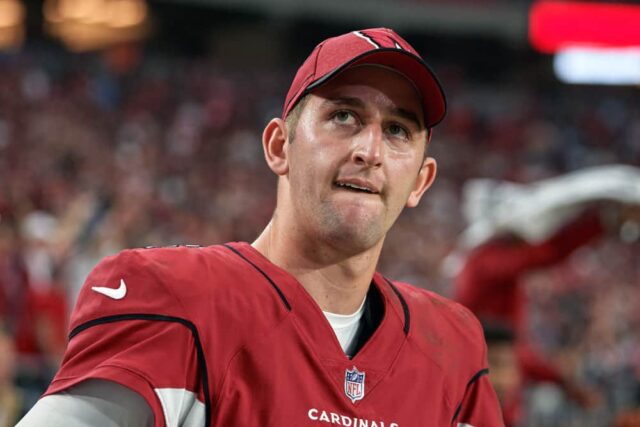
(368, 147)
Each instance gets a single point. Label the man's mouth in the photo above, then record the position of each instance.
(359, 186)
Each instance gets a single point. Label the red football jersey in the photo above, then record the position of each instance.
(220, 336)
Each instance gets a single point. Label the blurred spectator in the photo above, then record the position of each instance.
(505, 371)
(12, 403)
(491, 285)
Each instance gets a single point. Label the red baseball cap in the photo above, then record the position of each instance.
(379, 46)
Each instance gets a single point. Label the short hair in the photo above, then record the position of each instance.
(294, 115)
(497, 333)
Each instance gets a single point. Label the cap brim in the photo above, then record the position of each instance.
(412, 67)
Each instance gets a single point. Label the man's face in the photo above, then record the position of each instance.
(505, 373)
(358, 157)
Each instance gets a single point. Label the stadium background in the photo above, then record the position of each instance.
(156, 141)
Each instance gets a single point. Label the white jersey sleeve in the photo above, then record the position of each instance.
(96, 403)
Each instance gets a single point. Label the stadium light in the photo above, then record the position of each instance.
(12, 13)
(96, 24)
(614, 66)
(126, 13)
(593, 42)
(555, 25)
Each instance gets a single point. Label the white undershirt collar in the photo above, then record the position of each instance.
(345, 327)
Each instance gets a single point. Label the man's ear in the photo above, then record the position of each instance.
(274, 144)
(425, 178)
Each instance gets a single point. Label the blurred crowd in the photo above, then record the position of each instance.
(101, 153)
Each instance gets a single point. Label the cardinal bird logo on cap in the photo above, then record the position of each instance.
(379, 41)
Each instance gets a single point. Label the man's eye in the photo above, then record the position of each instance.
(344, 117)
(398, 131)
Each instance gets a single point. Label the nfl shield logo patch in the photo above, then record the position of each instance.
(354, 384)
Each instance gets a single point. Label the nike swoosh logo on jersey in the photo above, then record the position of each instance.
(117, 293)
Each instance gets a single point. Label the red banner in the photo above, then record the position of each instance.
(554, 25)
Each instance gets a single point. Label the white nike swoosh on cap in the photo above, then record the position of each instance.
(117, 293)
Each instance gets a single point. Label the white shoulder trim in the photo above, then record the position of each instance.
(181, 407)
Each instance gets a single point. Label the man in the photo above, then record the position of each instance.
(491, 285)
(297, 328)
(506, 377)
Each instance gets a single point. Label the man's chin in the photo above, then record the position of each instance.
(355, 237)
(351, 228)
